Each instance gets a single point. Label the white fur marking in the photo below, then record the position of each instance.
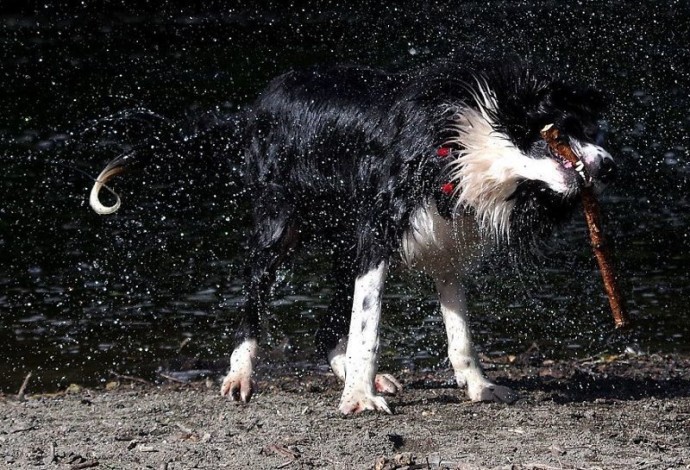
(100, 183)
(237, 384)
(363, 344)
(592, 156)
(336, 358)
(460, 349)
(461, 352)
(489, 167)
(434, 244)
(383, 383)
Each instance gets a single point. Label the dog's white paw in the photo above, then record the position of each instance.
(387, 384)
(487, 391)
(237, 386)
(356, 402)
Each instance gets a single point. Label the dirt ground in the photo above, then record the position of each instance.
(629, 412)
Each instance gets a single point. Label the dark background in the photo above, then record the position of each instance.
(82, 294)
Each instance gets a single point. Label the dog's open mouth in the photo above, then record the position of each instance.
(559, 158)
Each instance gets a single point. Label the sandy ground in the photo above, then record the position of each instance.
(605, 412)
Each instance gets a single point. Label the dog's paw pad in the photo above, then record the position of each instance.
(356, 403)
(493, 393)
(237, 387)
(387, 384)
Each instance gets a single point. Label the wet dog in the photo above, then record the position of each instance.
(427, 169)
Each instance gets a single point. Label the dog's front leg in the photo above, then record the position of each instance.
(461, 352)
(237, 384)
(363, 344)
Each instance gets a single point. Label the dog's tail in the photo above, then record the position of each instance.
(114, 167)
(187, 136)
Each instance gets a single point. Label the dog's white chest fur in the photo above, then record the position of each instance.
(436, 245)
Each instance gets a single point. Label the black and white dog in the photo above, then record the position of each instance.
(426, 168)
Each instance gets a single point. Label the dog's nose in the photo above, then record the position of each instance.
(599, 163)
(607, 171)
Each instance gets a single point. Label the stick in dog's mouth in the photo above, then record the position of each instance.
(561, 148)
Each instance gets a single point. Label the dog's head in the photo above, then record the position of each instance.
(503, 169)
(532, 103)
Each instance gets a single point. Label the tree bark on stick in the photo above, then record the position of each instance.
(593, 217)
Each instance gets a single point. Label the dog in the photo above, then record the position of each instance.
(427, 169)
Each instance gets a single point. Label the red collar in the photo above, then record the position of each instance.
(445, 152)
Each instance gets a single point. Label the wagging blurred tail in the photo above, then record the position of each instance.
(113, 168)
(220, 133)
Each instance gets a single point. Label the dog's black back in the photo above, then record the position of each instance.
(343, 153)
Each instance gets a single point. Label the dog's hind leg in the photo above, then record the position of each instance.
(333, 325)
(461, 352)
(331, 337)
(363, 343)
(385, 384)
(272, 241)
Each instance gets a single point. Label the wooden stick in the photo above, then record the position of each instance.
(129, 377)
(593, 217)
(87, 464)
(22, 389)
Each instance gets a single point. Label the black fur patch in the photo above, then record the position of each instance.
(367, 303)
(345, 155)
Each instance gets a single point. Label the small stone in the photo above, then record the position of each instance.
(557, 450)
(404, 458)
(380, 462)
(111, 385)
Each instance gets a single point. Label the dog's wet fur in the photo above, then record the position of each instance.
(428, 169)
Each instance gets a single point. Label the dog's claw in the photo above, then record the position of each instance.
(353, 404)
(387, 384)
(237, 387)
(489, 392)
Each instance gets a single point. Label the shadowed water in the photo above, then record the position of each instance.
(82, 294)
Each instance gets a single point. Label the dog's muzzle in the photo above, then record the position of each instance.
(599, 164)
(608, 170)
